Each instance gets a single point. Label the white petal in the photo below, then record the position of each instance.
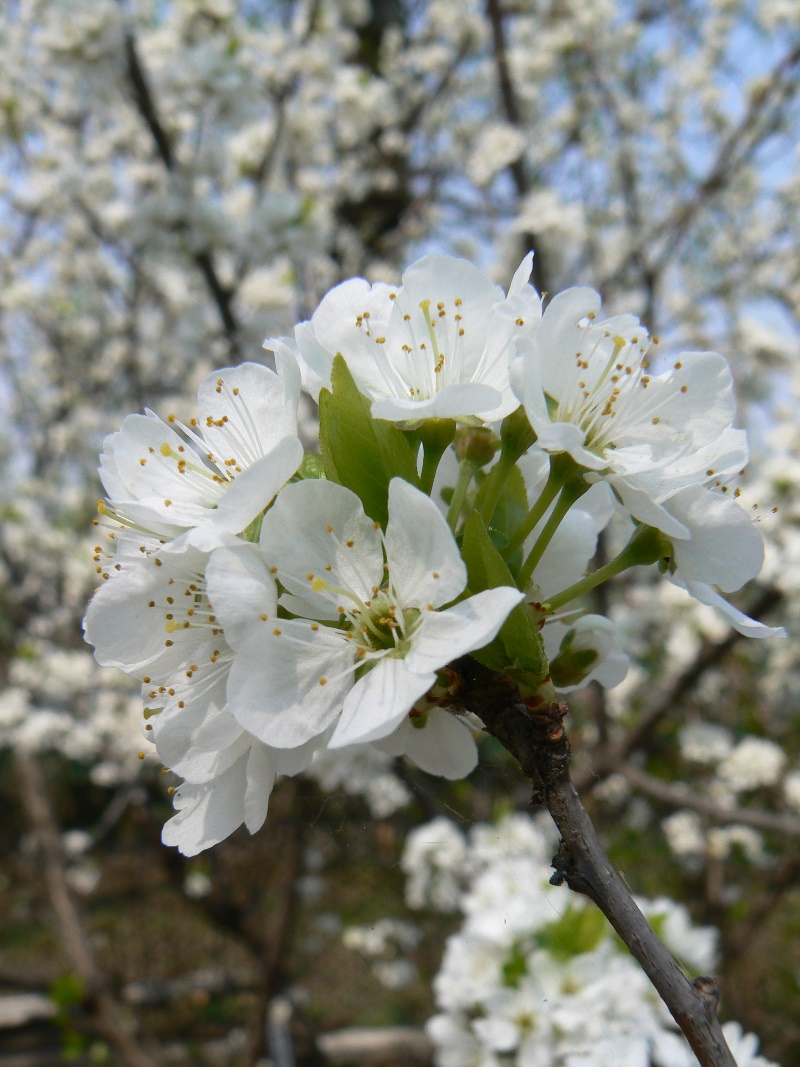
(725, 547)
(318, 528)
(253, 489)
(294, 760)
(738, 620)
(207, 813)
(377, 702)
(444, 745)
(200, 747)
(641, 505)
(445, 635)
(702, 396)
(313, 361)
(334, 325)
(424, 562)
(519, 283)
(451, 402)
(275, 689)
(258, 406)
(142, 438)
(566, 558)
(566, 437)
(241, 589)
(445, 280)
(262, 767)
(120, 622)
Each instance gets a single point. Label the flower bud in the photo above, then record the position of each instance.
(476, 444)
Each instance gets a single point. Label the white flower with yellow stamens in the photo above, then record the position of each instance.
(216, 475)
(156, 623)
(587, 391)
(437, 346)
(370, 630)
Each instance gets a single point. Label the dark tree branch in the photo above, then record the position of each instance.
(610, 758)
(276, 955)
(204, 259)
(511, 109)
(677, 796)
(737, 148)
(538, 741)
(71, 929)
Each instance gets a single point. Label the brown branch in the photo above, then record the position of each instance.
(736, 149)
(783, 880)
(400, 1045)
(204, 258)
(71, 929)
(610, 758)
(511, 109)
(276, 957)
(538, 741)
(677, 796)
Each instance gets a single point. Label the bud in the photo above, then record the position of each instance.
(585, 650)
(476, 444)
(436, 434)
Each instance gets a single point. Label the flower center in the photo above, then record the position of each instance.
(377, 626)
(380, 625)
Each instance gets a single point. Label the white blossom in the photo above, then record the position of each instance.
(294, 679)
(437, 346)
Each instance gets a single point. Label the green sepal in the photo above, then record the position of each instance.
(517, 650)
(572, 665)
(360, 452)
(252, 533)
(312, 466)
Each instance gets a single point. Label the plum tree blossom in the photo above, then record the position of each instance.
(437, 346)
(530, 979)
(293, 680)
(180, 180)
(216, 475)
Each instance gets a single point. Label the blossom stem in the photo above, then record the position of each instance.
(436, 435)
(572, 491)
(552, 486)
(645, 547)
(431, 457)
(494, 485)
(466, 471)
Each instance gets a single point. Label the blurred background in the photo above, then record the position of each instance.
(180, 179)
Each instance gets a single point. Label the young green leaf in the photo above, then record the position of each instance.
(360, 452)
(519, 644)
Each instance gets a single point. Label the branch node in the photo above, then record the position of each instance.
(708, 990)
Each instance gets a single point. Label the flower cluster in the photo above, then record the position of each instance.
(535, 975)
(275, 604)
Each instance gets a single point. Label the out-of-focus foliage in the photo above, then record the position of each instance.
(180, 178)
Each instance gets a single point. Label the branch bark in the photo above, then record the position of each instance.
(71, 928)
(511, 109)
(204, 259)
(612, 757)
(735, 150)
(679, 797)
(538, 741)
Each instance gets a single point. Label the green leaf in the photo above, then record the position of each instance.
(360, 452)
(67, 990)
(509, 512)
(518, 646)
(515, 967)
(578, 930)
